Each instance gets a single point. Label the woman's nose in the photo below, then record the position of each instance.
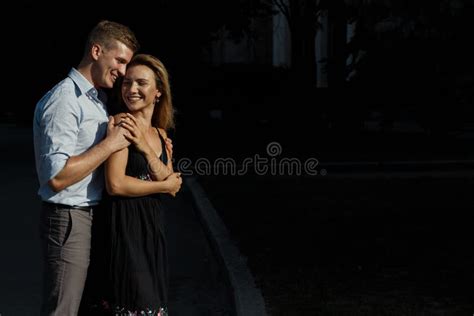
(133, 87)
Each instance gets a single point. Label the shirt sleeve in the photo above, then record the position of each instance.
(60, 121)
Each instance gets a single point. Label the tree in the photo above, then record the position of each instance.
(302, 18)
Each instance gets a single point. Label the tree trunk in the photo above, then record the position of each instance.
(303, 33)
(337, 43)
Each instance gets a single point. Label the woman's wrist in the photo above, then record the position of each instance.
(148, 153)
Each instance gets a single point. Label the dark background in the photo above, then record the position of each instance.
(416, 74)
(408, 110)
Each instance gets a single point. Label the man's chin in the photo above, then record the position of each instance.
(109, 84)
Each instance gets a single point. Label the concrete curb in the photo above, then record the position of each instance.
(247, 297)
(400, 169)
(400, 162)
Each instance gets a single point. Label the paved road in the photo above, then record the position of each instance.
(197, 284)
(20, 268)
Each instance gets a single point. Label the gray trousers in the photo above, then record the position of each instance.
(66, 239)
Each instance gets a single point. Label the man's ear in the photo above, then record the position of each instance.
(96, 50)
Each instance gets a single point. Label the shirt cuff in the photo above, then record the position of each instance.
(53, 164)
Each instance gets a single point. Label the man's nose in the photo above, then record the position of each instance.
(122, 70)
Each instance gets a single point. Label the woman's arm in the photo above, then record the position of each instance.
(158, 170)
(118, 183)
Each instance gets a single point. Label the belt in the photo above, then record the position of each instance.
(74, 207)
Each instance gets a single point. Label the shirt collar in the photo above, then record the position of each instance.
(84, 85)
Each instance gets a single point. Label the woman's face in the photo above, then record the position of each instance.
(139, 88)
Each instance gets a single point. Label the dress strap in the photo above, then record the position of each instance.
(164, 154)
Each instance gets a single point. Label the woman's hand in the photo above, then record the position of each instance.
(174, 182)
(137, 131)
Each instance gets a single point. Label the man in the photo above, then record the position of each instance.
(73, 137)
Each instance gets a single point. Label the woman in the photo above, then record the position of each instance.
(134, 178)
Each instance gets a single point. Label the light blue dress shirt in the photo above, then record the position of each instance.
(70, 119)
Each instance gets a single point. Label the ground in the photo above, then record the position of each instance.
(354, 245)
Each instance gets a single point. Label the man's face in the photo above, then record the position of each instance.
(112, 64)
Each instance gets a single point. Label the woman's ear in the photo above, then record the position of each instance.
(157, 97)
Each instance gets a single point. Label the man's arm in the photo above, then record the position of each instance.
(78, 167)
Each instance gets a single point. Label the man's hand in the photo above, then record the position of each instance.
(116, 135)
(169, 147)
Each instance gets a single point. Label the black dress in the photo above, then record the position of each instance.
(138, 263)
